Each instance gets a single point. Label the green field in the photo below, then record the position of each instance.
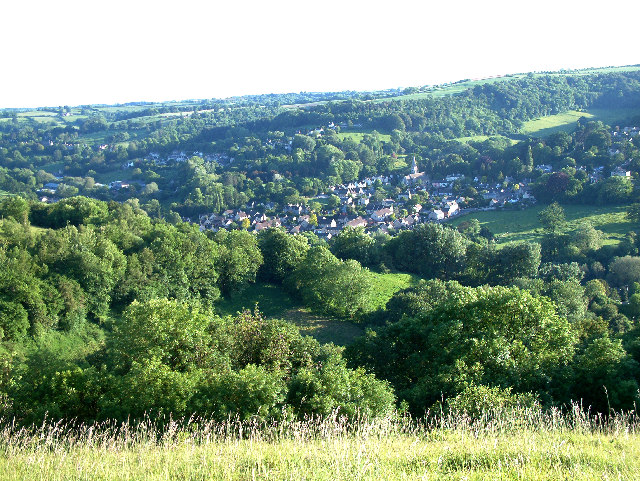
(276, 303)
(566, 121)
(508, 447)
(401, 162)
(359, 135)
(112, 176)
(386, 285)
(459, 87)
(523, 225)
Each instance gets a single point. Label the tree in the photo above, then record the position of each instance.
(333, 202)
(281, 253)
(605, 376)
(614, 190)
(333, 388)
(160, 330)
(633, 212)
(150, 189)
(512, 261)
(624, 271)
(552, 217)
(16, 207)
(430, 250)
(354, 243)
(239, 261)
(586, 238)
(303, 142)
(492, 336)
(339, 288)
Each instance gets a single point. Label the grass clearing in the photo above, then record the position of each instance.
(511, 447)
(386, 285)
(359, 135)
(112, 176)
(323, 329)
(275, 303)
(566, 121)
(401, 162)
(53, 167)
(523, 225)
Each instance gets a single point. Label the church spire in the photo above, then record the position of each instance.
(414, 166)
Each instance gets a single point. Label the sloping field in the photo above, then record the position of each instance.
(566, 121)
(523, 225)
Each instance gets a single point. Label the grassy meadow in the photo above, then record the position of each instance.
(359, 135)
(566, 121)
(523, 225)
(276, 303)
(512, 446)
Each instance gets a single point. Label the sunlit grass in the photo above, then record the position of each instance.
(523, 225)
(531, 445)
(386, 285)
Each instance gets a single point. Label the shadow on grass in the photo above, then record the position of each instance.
(275, 303)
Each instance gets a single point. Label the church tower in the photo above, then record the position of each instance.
(414, 166)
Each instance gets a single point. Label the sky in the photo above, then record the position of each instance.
(70, 52)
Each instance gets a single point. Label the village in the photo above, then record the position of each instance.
(409, 200)
(355, 205)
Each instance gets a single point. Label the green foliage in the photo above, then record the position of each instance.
(335, 389)
(354, 243)
(240, 259)
(169, 332)
(84, 255)
(250, 392)
(430, 250)
(480, 400)
(606, 376)
(339, 288)
(420, 300)
(485, 336)
(281, 253)
(16, 207)
(624, 271)
(552, 217)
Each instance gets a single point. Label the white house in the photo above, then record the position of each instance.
(436, 214)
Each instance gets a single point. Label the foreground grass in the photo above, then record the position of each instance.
(535, 448)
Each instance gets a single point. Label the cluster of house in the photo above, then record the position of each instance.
(626, 132)
(359, 207)
(376, 219)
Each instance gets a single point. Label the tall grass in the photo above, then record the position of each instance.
(522, 444)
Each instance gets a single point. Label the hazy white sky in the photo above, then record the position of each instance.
(71, 52)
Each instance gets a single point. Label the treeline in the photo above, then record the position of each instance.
(107, 313)
(256, 132)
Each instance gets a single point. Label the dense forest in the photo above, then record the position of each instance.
(109, 297)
